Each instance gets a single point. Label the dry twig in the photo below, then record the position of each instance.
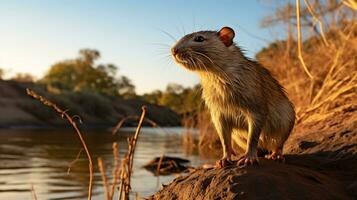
(74, 161)
(64, 114)
(350, 3)
(299, 39)
(316, 18)
(159, 165)
(123, 177)
(134, 141)
(116, 169)
(128, 160)
(104, 178)
(122, 121)
(33, 192)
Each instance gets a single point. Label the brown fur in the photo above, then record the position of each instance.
(246, 103)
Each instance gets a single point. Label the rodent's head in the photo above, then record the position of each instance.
(200, 51)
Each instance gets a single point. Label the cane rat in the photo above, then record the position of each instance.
(247, 104)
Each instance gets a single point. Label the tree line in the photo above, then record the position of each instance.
(83, 74)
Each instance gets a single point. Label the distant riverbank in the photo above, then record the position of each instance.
(95, 111)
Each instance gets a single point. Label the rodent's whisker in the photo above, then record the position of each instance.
(162, 53)
(217, 67)
(168, 61)
(169, 35)
(161, 44)
(182, 28)
(193, 61)
(167, 58)
(203, 65)
(205, 68)
(162, 50)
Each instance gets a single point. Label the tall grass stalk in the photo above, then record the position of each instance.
(69, 118)
(298, 26)
(128, 161)
(104, 178)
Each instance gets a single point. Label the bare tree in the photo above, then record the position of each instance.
(330, 12)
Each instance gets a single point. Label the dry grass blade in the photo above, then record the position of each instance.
(327, 77)
(298, 25)
(350, 3)
(33, 192)
(74, 161)
(134, 141)
(116, 169)
(159, 165)
(128, 160)
(104, 178)
(122, 121)
(347, 87)
(123, 177)
(316, 18)
(64, 114)
(110, 190)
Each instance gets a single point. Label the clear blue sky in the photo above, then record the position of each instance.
(34, 34)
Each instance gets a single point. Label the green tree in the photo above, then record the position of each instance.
(177, 98)
(153, 97)
(126, 87)
(174, 88)
(81, 74)
(23, 77)
(1, 73)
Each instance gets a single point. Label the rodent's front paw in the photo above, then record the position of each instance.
(276, 156)
(224, 162)
(248, 159)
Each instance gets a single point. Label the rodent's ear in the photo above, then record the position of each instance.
(226, 34)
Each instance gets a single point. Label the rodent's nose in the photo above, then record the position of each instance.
(174, 51)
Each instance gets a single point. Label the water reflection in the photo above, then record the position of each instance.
(42, 157)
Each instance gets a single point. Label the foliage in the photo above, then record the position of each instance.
(178, 98)
(153, 97)
(332, 11)
(332, 63)
(1, 73)
(81, 74)
(23, 77)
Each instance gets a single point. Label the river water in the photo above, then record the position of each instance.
(39, 159)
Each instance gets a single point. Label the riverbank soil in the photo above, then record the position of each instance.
(19, 110)
(320, 163)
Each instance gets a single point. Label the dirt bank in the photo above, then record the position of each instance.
(269, 180)
(321, 163)
(18, 109)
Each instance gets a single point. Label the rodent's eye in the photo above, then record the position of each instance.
(199, 38)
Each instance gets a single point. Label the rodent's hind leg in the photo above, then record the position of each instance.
(250, 157)
(276, 155)
(224, 130)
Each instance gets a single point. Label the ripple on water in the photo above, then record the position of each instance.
(41, 158)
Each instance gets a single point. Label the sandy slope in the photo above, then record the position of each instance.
(321, 164)
(270, 180)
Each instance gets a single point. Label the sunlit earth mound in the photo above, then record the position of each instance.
(321, 163)
(269, 180)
